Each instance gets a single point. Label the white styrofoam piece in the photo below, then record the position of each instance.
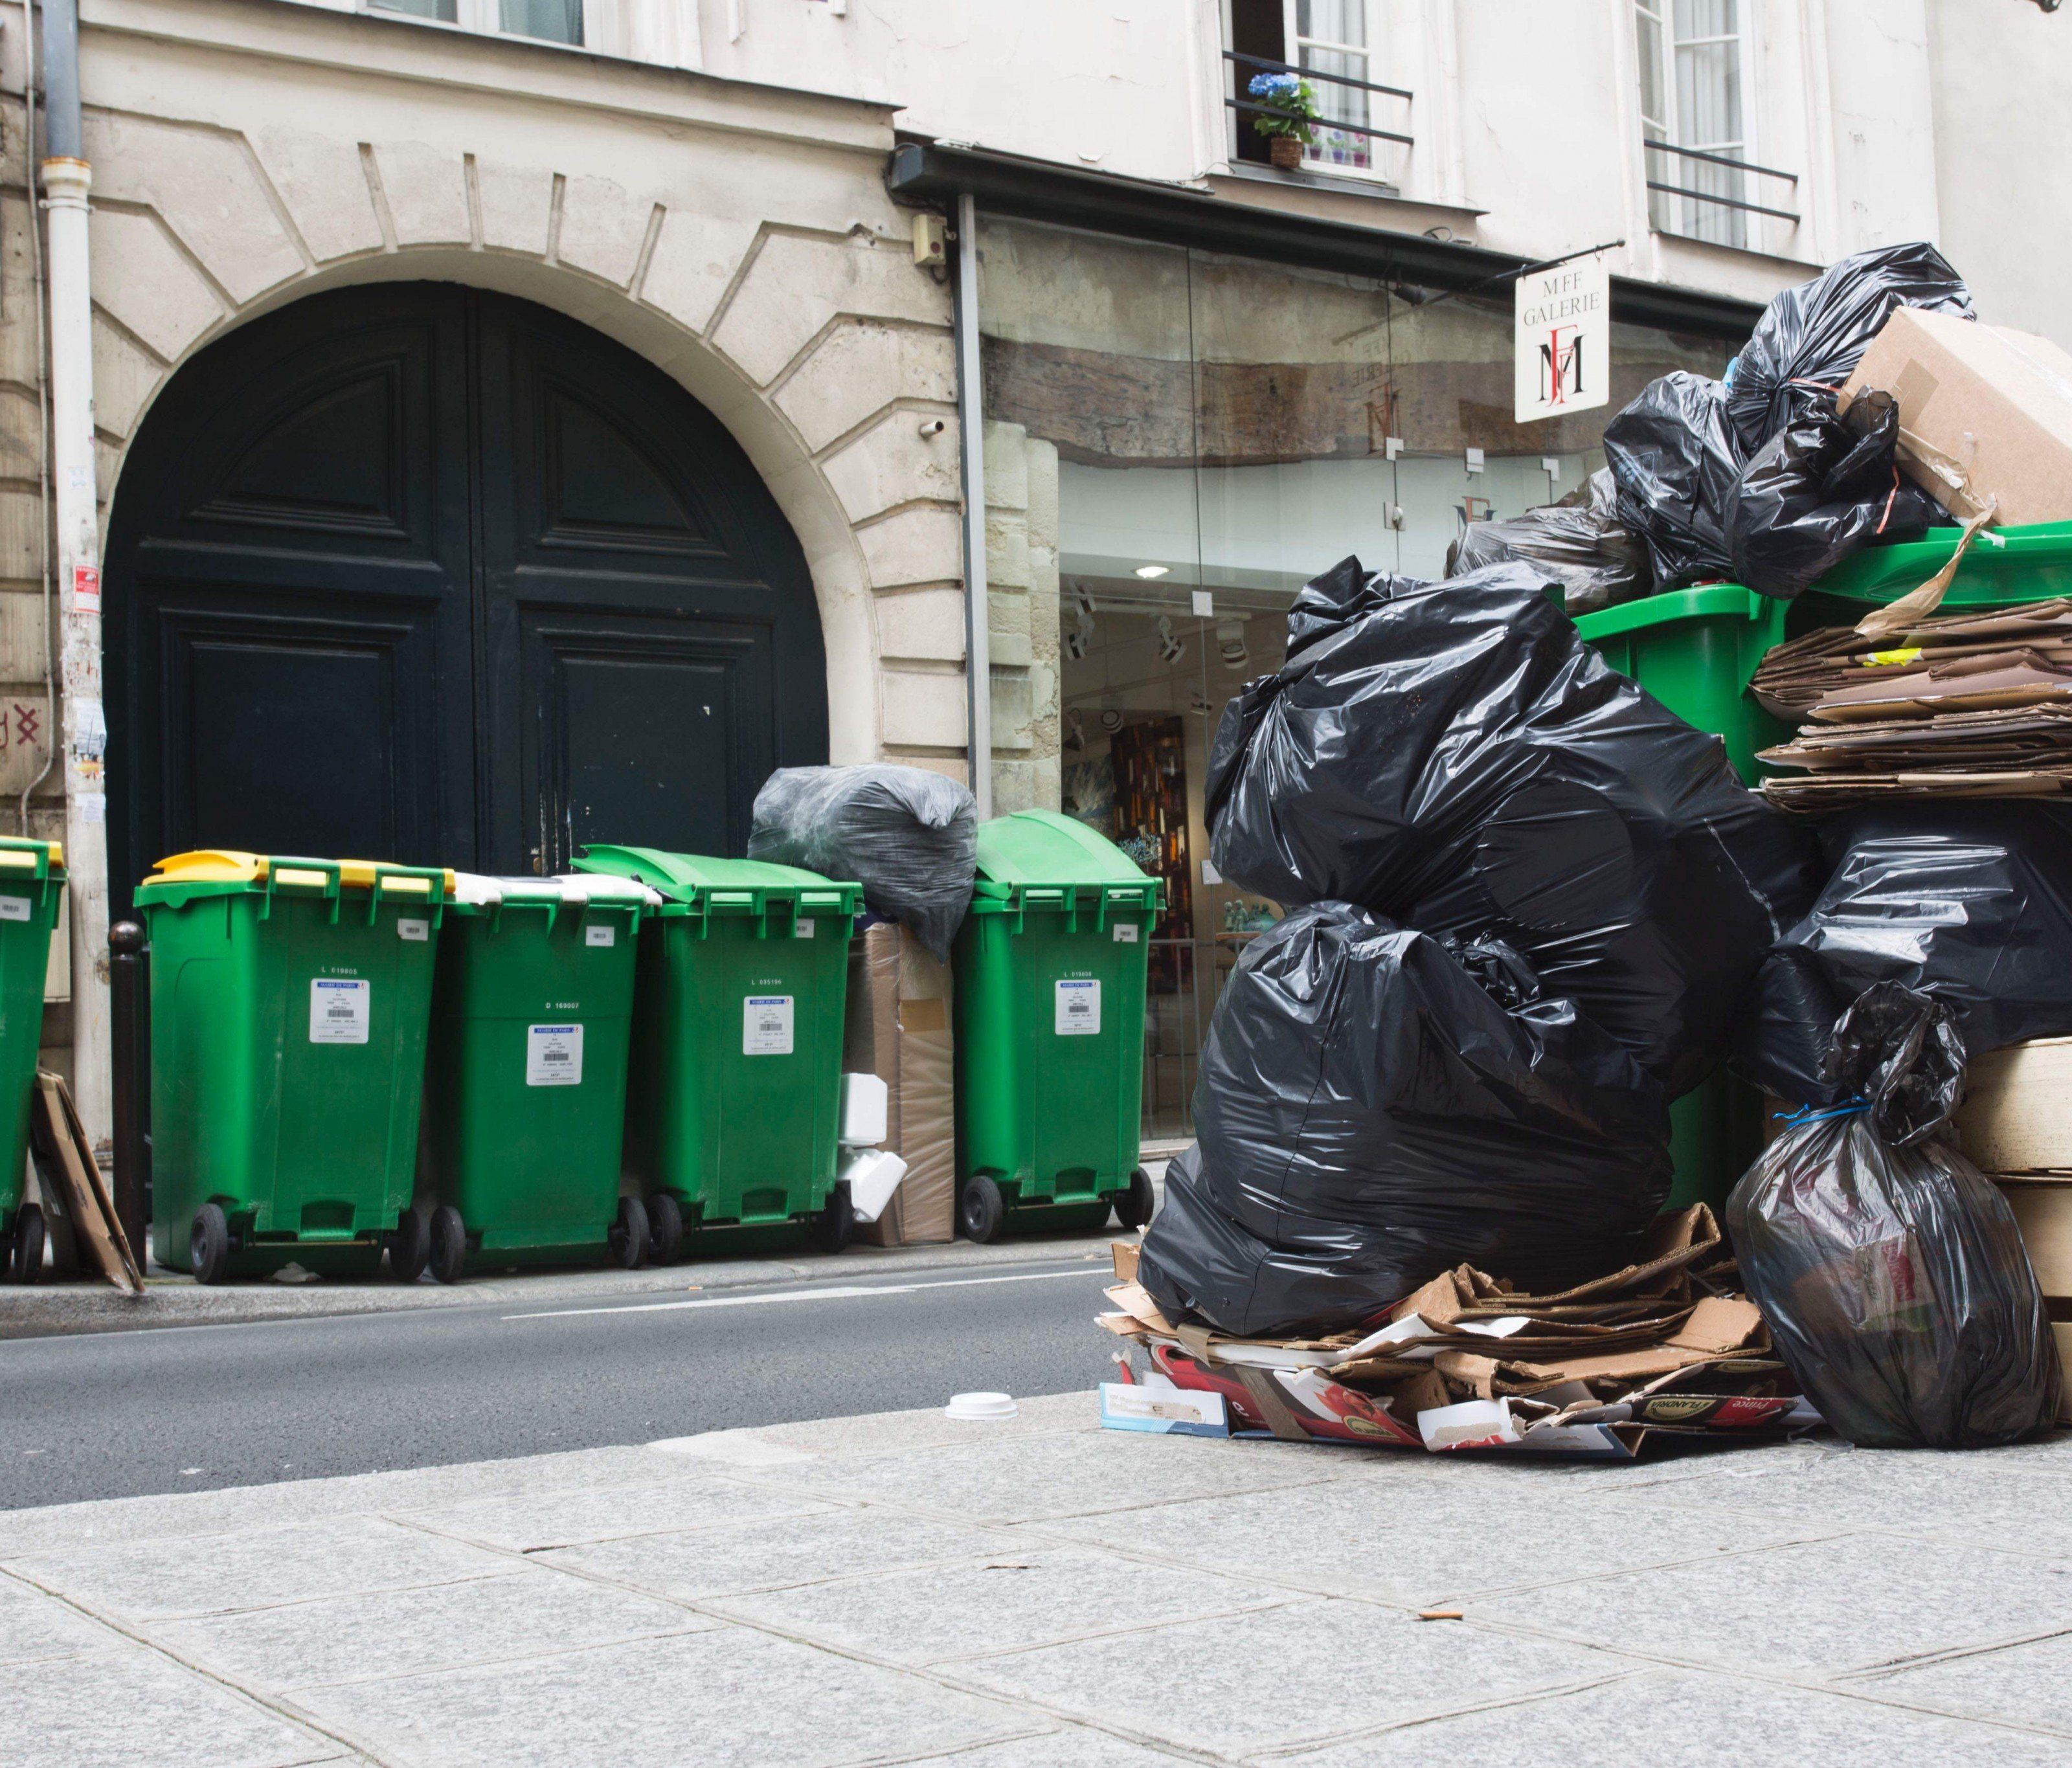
(605, 887)
(865, 1101)
(872, 1175)
(981, 1407)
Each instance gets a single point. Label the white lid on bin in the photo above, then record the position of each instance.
(574, 890)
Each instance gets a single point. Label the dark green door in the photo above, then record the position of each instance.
(423, 573)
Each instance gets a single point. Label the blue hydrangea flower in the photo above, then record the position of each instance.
(1275, 88)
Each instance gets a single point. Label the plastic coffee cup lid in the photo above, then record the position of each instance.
(979, 1406)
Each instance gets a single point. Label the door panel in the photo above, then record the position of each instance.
(419, 573)
(651, 732)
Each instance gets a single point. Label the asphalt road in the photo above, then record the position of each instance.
(122, 1414)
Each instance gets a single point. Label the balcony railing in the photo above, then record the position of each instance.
(1693, 153)
(1245, 106)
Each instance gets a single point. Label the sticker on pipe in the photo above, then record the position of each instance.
(553, 1055)
(339, 1010)
(766, 1024)
(1078, 1007)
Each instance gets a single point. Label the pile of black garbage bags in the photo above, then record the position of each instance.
(1527, 901)
(1756, 478)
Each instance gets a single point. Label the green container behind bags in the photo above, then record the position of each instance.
(733, 1100)
(1051, 970)
(525, 1103)
(2004, 566)
(32, 883)
(289, 999)
(1696, 650)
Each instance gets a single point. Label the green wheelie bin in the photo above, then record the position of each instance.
(1696, 650)
(289, 1002)
(525, 1084)
(1051, 967)
(32, 883)
(733, 1101)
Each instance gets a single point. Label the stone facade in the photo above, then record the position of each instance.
(246, 154)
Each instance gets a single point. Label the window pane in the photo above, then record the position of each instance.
(1706, 18)
(445, 11)
(1332, 21)
(1340, 104)
(1647, 42)
(554, 21)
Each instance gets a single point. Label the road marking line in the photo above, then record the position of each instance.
(833, 1292)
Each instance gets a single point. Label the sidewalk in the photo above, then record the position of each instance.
(172, 1299)
(1043, 1594)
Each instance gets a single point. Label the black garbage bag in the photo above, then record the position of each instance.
(1817, 491)
(908, 836)
(1377, 1106)
(1890, 1270)
(1810, 338)
(1969, 901)
(1577, 540)
(1673, 456)
(1453, 756)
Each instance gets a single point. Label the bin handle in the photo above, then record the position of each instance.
(394, 884)
(302, 874)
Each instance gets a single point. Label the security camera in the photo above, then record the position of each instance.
(932, 427)
(1075, 645)
(1170, 648)
(1230, 641)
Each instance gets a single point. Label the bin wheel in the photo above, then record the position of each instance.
(665, 1229)
(628, 1239)
(1133, 1208)
(26, 1257)
(407, 1247)
(448, 1252)
(832, 1226)
(208, 1243)
(981, 1210)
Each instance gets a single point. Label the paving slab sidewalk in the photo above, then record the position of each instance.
(1041, 1594)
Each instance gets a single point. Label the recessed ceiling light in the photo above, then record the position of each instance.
(1153, 570)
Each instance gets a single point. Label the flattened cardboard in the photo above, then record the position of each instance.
(897, 1028)
(2013, 1118)
(65, 1158)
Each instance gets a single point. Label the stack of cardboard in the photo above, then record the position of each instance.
(1665, 1347)
(898, 1028)
(2014, 1126)
(1972, 706)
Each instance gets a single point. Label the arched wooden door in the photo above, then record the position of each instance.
(419, 573)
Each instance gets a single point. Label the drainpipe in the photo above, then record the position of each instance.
(66, 178)
(971, 432)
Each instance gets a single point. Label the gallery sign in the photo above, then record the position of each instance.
(1563, 339)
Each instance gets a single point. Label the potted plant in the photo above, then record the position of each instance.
(1287, 129)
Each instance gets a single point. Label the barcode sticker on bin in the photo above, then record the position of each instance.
(600, 933)
(1078, 1007)
(553, 1055)
(338, 1010)
(766, 1024)
(410, 929)
(13, 908)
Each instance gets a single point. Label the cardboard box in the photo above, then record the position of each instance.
(1984, 413)
(898, 1028)
(2014, 1117)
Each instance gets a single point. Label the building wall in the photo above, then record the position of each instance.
(2003, 115)
(246, 154)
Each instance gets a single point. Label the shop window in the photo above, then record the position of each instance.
(1176, 441)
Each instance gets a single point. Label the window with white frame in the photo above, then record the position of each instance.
(1331, 37)
(1695, 105)
(549, 21)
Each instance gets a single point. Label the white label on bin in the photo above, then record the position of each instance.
(553, 1055)
(1078, 1007)
(766, 1026)
(805, 930)
(13, 908)
(408, 929)
(1125, 933)
(600, 933)
(338, 1010)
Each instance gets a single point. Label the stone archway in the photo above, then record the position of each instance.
(421, 572)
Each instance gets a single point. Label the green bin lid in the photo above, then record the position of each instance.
(1047, 849)
(2030, 562)
(23, 858)
(723, 883)
(218, 871)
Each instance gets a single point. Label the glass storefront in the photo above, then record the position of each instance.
(1213, 431)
